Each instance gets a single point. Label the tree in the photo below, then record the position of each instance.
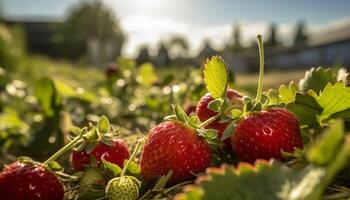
(235, 40)
(89, 22)
(143, 56)
(207, 51)
(300, 35)
(272, 41)
(162, 59)
(179, 46)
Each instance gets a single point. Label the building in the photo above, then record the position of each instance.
(39, 35)
(326, 49)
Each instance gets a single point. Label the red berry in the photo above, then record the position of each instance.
(115, 154)
(205, 113)
(190, 109)
(22, 181)
(174, 146)
(111, 70)
(265, 134)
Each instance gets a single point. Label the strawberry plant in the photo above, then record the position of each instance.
(284, 143)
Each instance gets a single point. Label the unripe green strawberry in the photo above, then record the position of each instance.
(123, 188)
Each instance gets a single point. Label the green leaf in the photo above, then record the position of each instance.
(236, 113)
(180, 113)
(256, 107)
(115, 169)
(263, 181)
(211, 133)
(45, 92)
(55, 166)
(87, 182)
(316, 79)
(103, 126)
(325, 148)
(345, 114)
(287, 93)
(91, 134)
(273, 180)
(194, 120)
(146, 75)
(229, 131)
(273, 97)
(248, 106)
(90, 145)
(216, 77)
(335, 98)
(306, 108)
(170, 117)
(67, 91)
(162, 181)
(133, 167)
(207, 133)
(215, 105)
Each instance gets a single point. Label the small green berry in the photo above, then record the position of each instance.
(123, 188)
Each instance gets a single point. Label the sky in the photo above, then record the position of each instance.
(151, 21)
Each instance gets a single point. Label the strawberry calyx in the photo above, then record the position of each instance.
(193, 121)
(103, 132)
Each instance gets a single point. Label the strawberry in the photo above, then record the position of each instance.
(205, 113)
(265, 134)
(111, 70)
(172, 145)
(190, 109)
(123, 188)
(29, 181)
(115, 154)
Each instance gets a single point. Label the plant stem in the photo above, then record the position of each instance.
(137, 148)
(63, 149)
(261, 73)
(210, 120)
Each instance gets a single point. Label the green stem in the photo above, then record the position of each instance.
(177, 185)
(210, 120)
(261, 73)
(64, 149)
(137, 148)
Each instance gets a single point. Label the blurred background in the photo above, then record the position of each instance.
(297, 34)
(69, 61)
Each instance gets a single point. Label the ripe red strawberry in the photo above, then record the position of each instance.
(205, 113)
(265, 134)
(111, 70)
(26, 181)
(174, 146)
(190, 109)
(115, 154)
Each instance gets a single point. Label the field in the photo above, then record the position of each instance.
(142, 132)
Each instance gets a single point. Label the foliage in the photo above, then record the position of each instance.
(89, 21)
(12, 46)
(274, 180)
(38, 112)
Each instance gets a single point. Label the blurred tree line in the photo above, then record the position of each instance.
(92, 29)
(176, 49)
(91, 32)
